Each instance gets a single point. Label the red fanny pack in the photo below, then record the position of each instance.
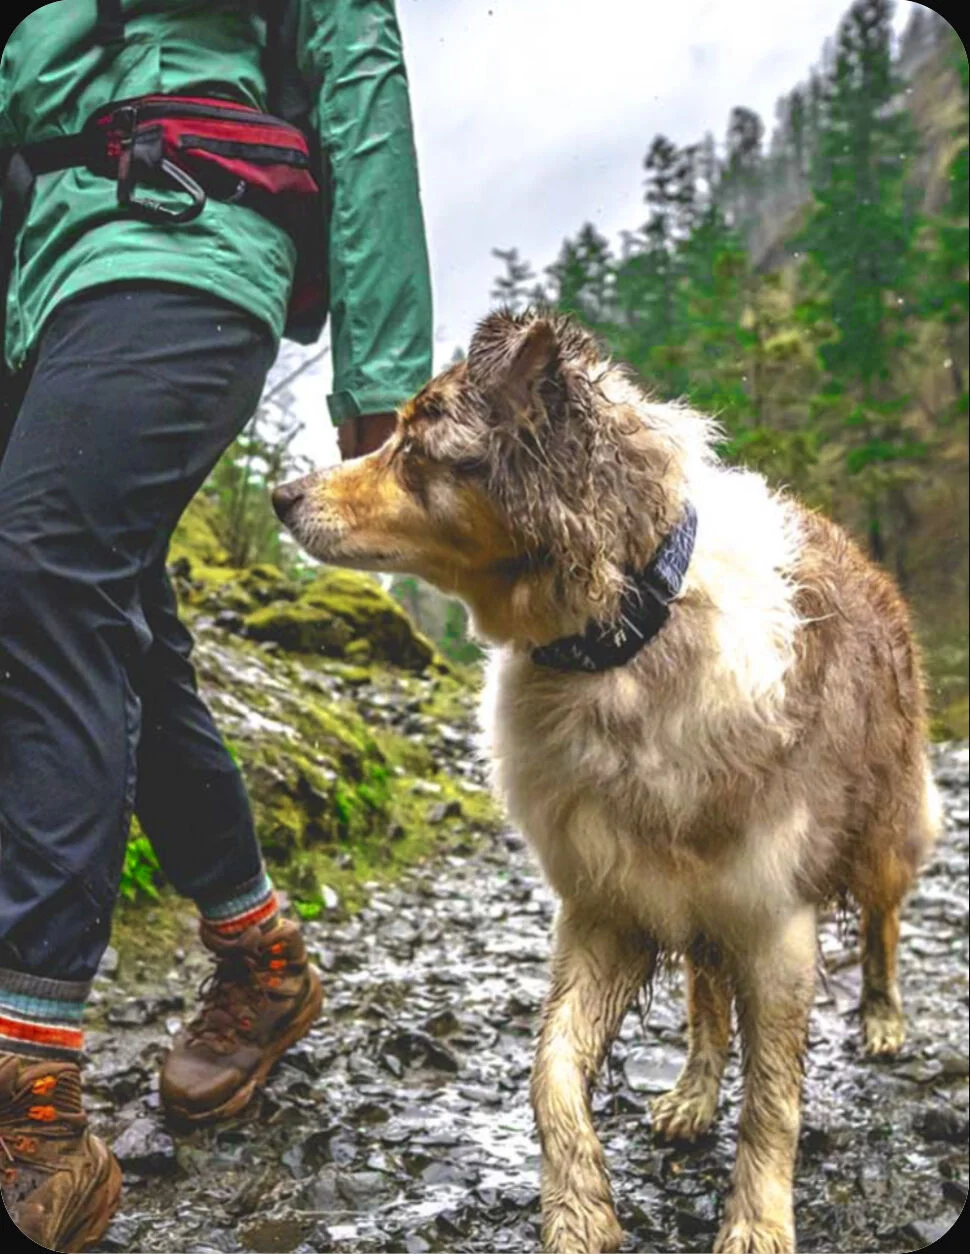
(200, 147)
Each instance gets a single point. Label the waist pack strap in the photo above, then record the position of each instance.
(46, 155)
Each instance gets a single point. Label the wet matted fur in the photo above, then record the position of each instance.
(762, 755)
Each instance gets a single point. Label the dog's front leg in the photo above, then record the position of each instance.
(597, 970)
(775, 982)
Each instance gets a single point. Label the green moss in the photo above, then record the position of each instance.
(946, 651)
(324, 783)
(265, 573)
(452, 699)
(413, 757)
(338, 614)
(338, 804)
(299, 628)
(356, 676)
(339, 730)
(952, 722)
(265, 584)
(404, 837)
(195, 537)
(380, 629)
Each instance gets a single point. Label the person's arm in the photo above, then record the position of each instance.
(380, 291)
(365, 433)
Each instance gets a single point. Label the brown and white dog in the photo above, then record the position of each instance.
(761, 755)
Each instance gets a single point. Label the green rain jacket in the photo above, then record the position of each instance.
(53, 74)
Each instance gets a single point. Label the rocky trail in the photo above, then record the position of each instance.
(402, 1122)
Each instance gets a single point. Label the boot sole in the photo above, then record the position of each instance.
(244, 1095)
(90, 1228)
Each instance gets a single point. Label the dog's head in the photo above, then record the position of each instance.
(525, 479)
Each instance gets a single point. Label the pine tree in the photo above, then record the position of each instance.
(651, 331)
(518, 286)
(712, 299)
(863, 228)
(582, 278)
(741, 178)
(945, 294)
(797, 130)
(861, 237)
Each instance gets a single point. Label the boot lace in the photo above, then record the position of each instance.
(233, 995)
(20, 1145)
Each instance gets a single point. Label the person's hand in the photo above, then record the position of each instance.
(364, 434)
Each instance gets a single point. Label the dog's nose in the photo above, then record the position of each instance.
(287, 496)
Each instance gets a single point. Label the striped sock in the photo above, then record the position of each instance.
(252, 903)
(41, 1017)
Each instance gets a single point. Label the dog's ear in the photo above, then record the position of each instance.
(508, 357)
(535, 357)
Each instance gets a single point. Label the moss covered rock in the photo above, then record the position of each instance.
(266, 583)
(342, 614)
(299, 628)
(375, 618)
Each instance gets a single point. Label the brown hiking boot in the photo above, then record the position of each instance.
(261, 998)
(60, 1183)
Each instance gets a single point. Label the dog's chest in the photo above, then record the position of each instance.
(627, 804)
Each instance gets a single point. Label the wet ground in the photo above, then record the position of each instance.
(402, 1122)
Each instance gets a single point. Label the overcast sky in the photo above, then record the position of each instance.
(533, 116)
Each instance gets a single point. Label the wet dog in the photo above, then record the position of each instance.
(705, 712)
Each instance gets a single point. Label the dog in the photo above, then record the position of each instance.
(705, 712)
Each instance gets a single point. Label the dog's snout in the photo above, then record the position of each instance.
(287, 496)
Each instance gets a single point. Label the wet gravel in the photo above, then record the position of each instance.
(402, 1122)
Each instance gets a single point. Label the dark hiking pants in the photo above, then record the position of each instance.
(134, 393)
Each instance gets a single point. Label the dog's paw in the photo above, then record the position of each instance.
(884, 1031)
(755, 1236)
(573, 1231)
(686, 1112)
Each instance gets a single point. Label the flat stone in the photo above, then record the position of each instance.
(274, 1235)
(143, 1147)
(942, 1123)
(927, 1231)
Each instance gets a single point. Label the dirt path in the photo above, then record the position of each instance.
(402, 1122)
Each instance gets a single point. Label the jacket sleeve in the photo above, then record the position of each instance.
(380, 290)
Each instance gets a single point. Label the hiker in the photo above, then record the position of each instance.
(183, 182)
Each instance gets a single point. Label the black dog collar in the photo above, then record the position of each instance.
(644, 609)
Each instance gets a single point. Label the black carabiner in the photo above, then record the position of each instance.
(151, 210)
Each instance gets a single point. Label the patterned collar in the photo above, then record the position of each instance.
(644, 609)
